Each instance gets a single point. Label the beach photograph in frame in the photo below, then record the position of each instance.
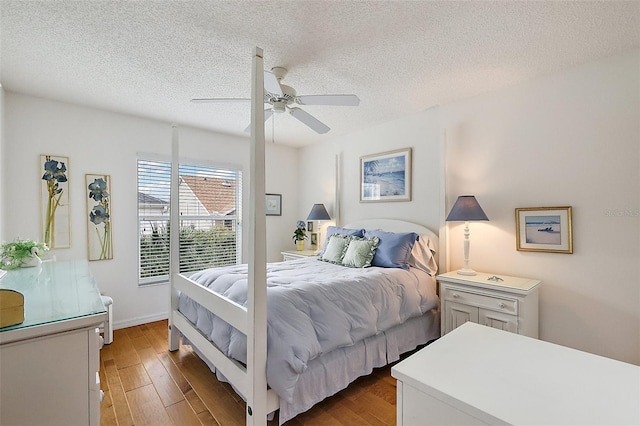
(386, 176)
(273, 204)
(544, 229)
(314, 239)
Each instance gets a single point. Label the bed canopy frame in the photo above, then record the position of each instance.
(250, 380)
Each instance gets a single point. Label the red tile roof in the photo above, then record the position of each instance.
(217, 195)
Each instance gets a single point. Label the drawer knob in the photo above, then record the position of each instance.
(502, 305)
(456, 295)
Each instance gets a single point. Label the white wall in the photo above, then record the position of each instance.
(103, 142)
(421, 132)
(572, 138)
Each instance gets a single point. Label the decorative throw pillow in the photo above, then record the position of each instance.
(334, 252)
(360, 252)
(394, 248)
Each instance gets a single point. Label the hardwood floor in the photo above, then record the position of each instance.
(145, 384)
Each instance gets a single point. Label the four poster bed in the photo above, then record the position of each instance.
(328, 324)
(328, 321)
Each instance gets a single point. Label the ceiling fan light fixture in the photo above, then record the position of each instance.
(279, 107)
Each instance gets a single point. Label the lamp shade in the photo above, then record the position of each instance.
(466, 208)
(318, 212)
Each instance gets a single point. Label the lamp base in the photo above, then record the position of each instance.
(466, 271)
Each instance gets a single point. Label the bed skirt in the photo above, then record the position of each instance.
(332, 372)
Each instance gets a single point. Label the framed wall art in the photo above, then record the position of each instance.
(99, 217)
(274, 204)
(54, 196)
(386, 176)
(544, 229)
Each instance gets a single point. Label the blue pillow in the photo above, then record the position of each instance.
(341, 231)
(394, 248)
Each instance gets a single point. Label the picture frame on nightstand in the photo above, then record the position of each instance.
(313, 239)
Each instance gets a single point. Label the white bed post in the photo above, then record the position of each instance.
(443, 257)
(257, 284)
(174, 236)
(336, 210)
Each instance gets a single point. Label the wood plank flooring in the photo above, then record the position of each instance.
(145, 384)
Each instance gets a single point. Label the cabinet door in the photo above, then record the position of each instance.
(48, 381)
(498, 320)
(457, 314)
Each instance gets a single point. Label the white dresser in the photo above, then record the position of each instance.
(498, 301)
(477, 375)
(49, 364)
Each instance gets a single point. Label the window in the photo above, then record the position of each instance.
(210, 200)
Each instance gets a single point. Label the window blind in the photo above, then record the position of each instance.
(210, 200)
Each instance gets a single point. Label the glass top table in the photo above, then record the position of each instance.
(55, 294)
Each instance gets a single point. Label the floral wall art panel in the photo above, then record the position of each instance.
(55, 216)
(99, 243)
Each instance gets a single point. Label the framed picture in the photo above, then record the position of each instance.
(314, 239)
(54, 195)
(274, 204)
(99, 218)
(386, 176)
(310, 226)
(546, 229)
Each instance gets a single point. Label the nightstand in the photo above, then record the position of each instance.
(297, 254)
(498, 301)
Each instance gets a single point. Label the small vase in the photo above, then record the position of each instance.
(300, 245)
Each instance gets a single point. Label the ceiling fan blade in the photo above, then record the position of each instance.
(205, 100)
(341, 100)
(306, 118)
(271, 84)
(267, 114)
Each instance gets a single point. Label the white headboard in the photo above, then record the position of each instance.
(394, 225)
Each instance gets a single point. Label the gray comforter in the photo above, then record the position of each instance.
(313, 308)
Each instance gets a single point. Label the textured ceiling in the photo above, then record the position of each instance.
(149, 58)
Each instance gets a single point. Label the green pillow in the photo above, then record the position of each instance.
(360, 252)
(336, 247)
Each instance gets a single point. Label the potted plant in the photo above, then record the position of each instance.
(299, 235)
(21, 253)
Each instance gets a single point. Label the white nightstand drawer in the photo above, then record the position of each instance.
(489, 302)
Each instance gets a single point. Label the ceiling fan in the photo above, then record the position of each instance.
(281, 98)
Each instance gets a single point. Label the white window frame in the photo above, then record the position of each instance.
(164, 279)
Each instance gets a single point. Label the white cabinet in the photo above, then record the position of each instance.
(297, 254)
(503, 302)
(477, 375)
(49, 364)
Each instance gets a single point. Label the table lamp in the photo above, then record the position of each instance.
(466, 208)
(318, 212)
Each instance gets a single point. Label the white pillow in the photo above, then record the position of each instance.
(422, 255)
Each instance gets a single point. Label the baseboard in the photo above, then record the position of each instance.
(140, 320)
